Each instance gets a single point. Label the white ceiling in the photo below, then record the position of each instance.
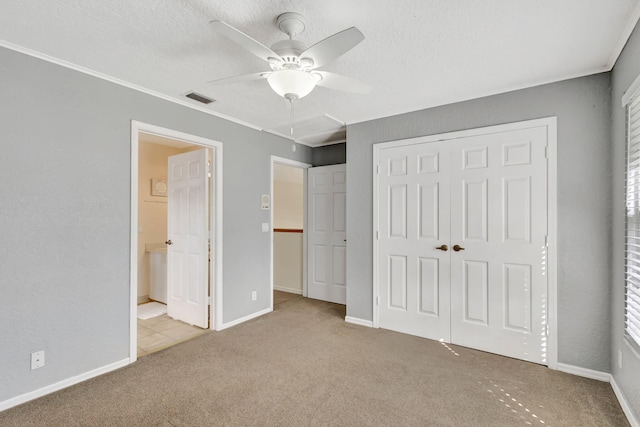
(416, 54)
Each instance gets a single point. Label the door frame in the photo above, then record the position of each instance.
(215, 226)
(304, 167)
(552, 214)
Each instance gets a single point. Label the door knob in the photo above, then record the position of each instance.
(458, 248)
(169, 242)
(443, 248)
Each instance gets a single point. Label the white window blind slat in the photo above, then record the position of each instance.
(635, 304)
(635, 160)
(634, 268)
(632, 225)
(633, 330)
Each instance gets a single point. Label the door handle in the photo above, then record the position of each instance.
(458, 248)
(443, 248)
(168, 242)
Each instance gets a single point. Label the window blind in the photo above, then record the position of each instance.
(632, 239)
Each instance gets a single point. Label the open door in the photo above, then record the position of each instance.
(188, 242)
(327, 237)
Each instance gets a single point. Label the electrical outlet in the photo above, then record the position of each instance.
(620, 359)
(254, 296)
(265, 227)
(37, 360)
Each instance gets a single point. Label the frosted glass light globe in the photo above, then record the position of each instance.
(291, 82)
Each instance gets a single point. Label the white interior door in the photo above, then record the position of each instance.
(499, 217)
(485, 197)
(326, 241)
(413, 223)
(187, 232)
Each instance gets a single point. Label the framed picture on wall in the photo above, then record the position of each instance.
(158, 187)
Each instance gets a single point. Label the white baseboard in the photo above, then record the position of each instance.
(244, 319)
(584, 372)
(290, 290)
(606, 377)
(626, 408)
(23, 398)
(357, 321)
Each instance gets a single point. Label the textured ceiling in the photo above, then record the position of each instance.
(416, 54)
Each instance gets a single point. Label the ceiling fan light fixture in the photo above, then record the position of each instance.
(294, 83)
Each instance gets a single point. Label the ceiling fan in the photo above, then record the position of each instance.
(294, 68)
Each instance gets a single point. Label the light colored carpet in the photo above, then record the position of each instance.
(280, 297)
(150, 310)
(302, 365)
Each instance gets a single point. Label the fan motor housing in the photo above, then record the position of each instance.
(288, 49)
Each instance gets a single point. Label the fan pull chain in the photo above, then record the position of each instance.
(292, 114)
(291, 97)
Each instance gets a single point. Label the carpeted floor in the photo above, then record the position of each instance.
(279, 297)
(302, 365)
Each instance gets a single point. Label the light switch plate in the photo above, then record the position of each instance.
(265, 227)
(265, 202)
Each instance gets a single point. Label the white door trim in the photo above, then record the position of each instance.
(552, 212)
(304, 167)
(215, 278)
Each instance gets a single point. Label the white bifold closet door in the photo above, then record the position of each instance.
(485, 199)
(414, 220)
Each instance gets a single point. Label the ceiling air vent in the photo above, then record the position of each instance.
(199, 98)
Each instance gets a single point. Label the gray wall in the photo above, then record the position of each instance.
(626, 70)
(65, 215)
(582, 107)
(329, 155)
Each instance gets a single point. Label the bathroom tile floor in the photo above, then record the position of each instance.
(161, 332)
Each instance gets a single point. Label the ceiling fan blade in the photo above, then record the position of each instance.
(243, 40)
(343, 83)
(238, 79)
(333, 46)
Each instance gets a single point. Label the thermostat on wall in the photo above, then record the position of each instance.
(265, 202)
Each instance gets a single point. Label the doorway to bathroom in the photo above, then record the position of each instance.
(175, 237)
